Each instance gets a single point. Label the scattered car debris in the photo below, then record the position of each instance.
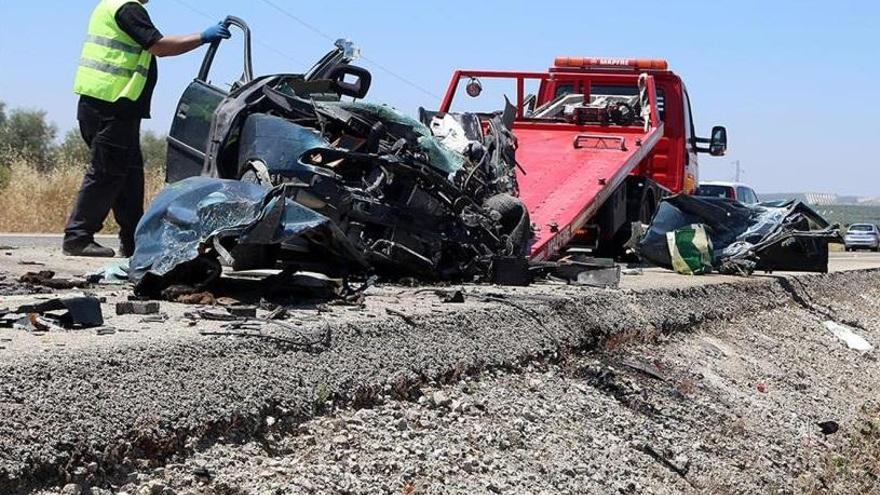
(198, 298)
(46, 278)
(137, 308)
(102, 331)
(10, 286)
(403, 316)
(243, 311)
(828, 427)
(32, 323)
(586, 270)
(159, 318)
(68, 313)
(115, 273)
(848, 336)
(452, 297)
(657, 456)
(649, 369)
(696, 235)
(31, 263)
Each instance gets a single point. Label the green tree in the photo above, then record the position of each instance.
(2, 113)
(73, 150)
(154, 148)
(28, 134)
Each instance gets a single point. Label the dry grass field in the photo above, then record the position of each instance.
(38, 201)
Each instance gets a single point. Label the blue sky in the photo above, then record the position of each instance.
(793, 80)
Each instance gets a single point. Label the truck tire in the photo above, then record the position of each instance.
(515, 222)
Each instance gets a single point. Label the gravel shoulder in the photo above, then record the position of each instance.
(703, 410)
(92, 410)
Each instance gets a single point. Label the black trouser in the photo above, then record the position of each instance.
(113, 181)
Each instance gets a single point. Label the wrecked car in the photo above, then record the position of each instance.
(433, 197)
(695, 235)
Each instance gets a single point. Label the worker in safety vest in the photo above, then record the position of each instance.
(115, 80)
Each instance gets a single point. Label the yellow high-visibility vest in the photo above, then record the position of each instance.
(112, 65)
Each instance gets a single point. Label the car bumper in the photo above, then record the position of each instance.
(863, 243)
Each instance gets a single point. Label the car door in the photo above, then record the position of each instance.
(191, 127)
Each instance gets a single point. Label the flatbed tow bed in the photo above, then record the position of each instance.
(570, 169)
(561, 199)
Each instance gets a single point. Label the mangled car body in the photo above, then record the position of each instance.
(695, 235)
(434, 197)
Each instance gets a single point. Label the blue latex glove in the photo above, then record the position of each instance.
(216, 32)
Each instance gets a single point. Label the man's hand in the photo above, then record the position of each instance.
(170, 46)
(216, 32)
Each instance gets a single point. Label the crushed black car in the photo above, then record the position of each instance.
(433, 197)
(695, 235)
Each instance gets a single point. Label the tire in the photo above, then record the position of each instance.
(515, 222)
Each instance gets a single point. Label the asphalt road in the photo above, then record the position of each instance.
(49, 240)
(44, 251)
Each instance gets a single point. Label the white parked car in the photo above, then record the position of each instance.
(730, 190)
(862, 236)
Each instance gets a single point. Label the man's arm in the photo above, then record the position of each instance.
(170, 46)
(134, 20)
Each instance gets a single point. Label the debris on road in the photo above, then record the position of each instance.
(137, 308)
(848, 336)
(46, 278)
(586, 270)
(451, 297)
(696, 235)
(828, 427)
(115, 273)
(243, 311)
(69, 313)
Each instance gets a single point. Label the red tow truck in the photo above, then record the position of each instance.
(599, 145)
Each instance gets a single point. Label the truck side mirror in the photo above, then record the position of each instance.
(718, 141)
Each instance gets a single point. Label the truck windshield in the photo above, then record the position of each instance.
(714, 191)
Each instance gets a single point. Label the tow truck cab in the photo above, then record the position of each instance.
(570, 97)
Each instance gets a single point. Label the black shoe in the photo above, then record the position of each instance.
(91, 250)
